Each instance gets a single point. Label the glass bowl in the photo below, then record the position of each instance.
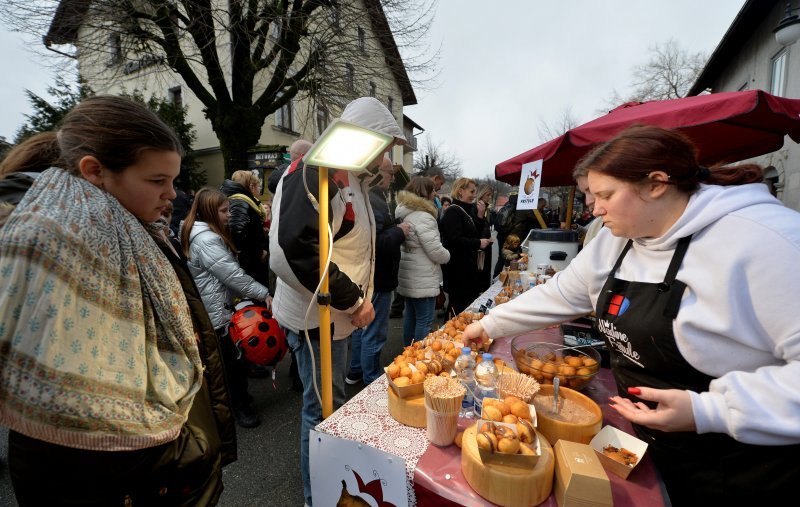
(575, 367)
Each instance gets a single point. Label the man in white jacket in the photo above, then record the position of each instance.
(294, 249)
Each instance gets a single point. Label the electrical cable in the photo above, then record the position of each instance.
(323, 274)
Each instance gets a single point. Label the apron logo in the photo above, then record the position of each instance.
(618, 341)
(618, 305)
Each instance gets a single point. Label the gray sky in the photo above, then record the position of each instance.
(505, 65)
(504, 68)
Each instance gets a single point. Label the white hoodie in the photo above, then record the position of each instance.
(294, 235)
(736, 320)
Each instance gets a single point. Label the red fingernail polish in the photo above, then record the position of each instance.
(634, 391)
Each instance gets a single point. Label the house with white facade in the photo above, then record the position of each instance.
(119, 68)
(750, 57)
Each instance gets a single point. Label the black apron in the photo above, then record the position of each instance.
(636, 320)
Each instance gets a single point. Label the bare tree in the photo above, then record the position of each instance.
(244, 60)
(669, 74)
(435, 156)
(566, 121)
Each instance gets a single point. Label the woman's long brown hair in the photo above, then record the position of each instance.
(205, 208)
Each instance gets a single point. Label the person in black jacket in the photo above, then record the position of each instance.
(181, 206)
(485, 198)
(504, 225)
(296, 151)
(460, 229)
(247, 224)
(366, 344)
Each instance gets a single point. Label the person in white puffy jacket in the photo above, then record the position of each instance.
(421, 255)
(209, 249)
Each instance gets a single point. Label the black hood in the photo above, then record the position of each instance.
(230, 187)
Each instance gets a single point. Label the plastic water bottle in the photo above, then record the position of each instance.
(465, 369)
(518, 287)
(486, 381)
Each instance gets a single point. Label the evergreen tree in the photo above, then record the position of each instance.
(47, 115)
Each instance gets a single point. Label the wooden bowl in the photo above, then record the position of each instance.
(564, 425)
(503, 484)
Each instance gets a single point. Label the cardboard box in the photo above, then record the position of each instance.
(580, 478)
(619, 439)
(530, 407)
(405, 391)
(514, 460)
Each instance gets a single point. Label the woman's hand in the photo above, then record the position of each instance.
(673, 412)
(268, 303)
(405, 227)
(481, 208)
(485, 242)
(474, 333)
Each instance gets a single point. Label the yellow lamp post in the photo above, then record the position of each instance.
(347, 147)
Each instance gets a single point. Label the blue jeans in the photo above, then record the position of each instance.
(312, 409)
(366, 344)
(417, 318)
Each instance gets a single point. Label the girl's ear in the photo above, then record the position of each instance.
(92, 170)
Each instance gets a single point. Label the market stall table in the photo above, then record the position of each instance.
(434, 473)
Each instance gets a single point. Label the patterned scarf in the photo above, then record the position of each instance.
(97, 349)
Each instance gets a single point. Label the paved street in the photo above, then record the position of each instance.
(267, 472)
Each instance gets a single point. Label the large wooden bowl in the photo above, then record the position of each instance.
(507, 485)
(554, 429)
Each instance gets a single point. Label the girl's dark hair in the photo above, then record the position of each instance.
(421, 186)
(205, 208)
(115, 130)
(446, 198)
(639, 150)
(36, 154)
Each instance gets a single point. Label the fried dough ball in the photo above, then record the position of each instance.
(525, 431)
(508, 445)
(492, 413)
(521, 410)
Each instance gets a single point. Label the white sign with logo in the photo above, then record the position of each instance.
(530, 179)
(346, 472)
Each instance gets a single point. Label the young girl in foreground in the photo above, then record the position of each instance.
(102, 358)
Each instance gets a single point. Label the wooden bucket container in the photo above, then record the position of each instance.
(554, 429)
(507, 485)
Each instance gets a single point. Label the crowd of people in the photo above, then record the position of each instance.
(118, 291)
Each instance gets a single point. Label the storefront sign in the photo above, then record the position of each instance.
(264, 159)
